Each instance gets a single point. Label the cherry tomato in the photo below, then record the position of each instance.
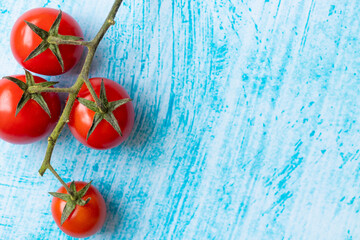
(32, 122)
(85, 220)
(104, 135)
(24, 41)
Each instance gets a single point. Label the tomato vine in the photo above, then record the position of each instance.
(82, 78)
(103, 108)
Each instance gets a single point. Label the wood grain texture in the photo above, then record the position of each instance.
(247, 122)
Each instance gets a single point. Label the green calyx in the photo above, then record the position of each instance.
(72, 199)
(26, 96)
(46, 44)
(105, 111)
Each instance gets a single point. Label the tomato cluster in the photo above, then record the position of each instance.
(28, 115)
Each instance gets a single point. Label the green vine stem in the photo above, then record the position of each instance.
(58, 41)
(60, 180)
(37, 89)
(82, 78)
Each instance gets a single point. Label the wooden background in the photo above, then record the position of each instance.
(247, 122)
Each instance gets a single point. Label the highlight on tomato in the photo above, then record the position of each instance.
(102, 127)
(30, 45)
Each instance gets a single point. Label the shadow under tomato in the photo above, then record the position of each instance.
(144, 127)
(115, 213)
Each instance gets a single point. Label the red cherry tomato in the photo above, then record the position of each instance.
(32, 122)
(104, 135)
(85, 220)
(24, 41)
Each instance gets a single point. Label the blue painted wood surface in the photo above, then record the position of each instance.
(247, 122)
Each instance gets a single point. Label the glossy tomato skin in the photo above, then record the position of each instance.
(23, 41)
(85, 220)
(32, 123)
(104, 135)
